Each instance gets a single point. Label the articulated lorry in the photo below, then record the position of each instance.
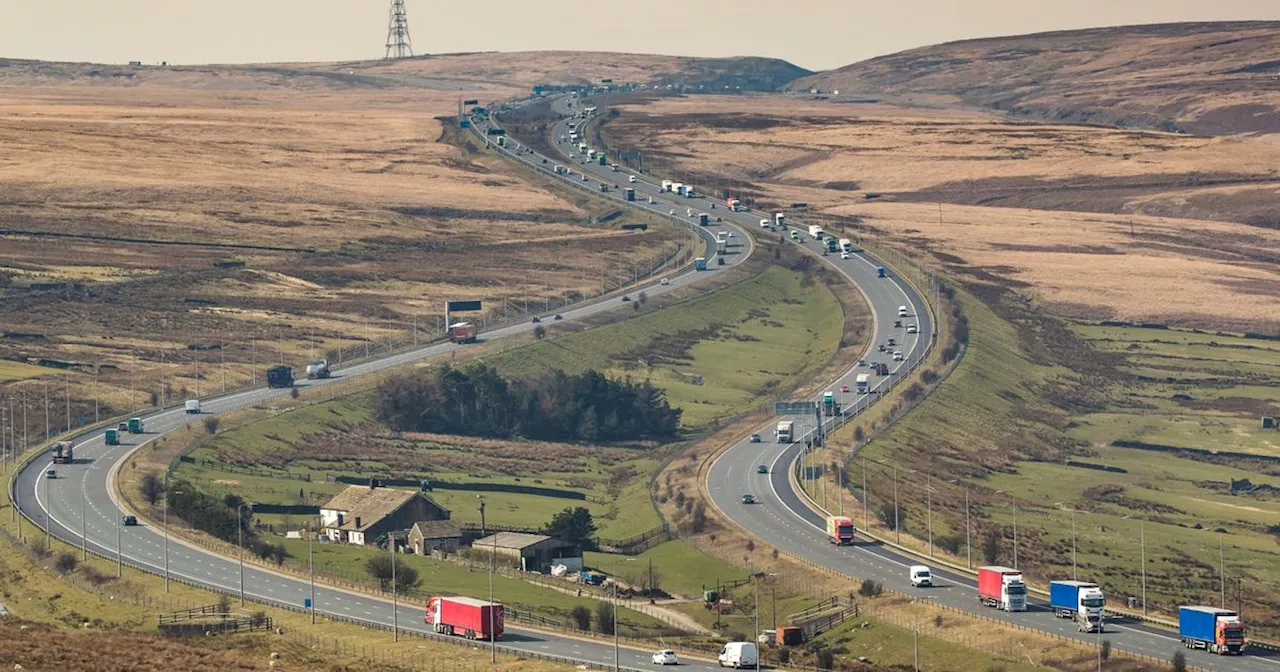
(462, 332)
(733, 204)
(1080, 601)
(1215, 630)
(840, 530)
(280, 376)
(700, 264)
(847, 245)
(318, 369)
(63, 452)
(780, 220)
(815, 232)
(465, 617)
(786, 431)
(863, 383)
(1002, 587)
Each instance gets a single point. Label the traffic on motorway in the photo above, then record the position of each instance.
(751, 482)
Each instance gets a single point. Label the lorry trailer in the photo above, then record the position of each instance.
(465, 617)
(733, 204)
(1215, 630)
(840, 530)
(1080, 601)
(864, 383)
(780, 219)
(846, 245)
(1002, 587)
(815, 232)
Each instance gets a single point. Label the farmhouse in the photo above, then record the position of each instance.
(361, 514)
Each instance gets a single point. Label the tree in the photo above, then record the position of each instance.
(539, 332)
(279, 553)
(604, 618)
(991, 546)
(211, 424)
(581, 617)
(573, 525)
(151, 487)
(1106, 649)
(1179, 662)
(379, 567)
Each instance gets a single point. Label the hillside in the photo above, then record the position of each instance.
(1207, 78)
(447, 71)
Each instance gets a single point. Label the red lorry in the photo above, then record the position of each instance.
(1002, 587)
(462, 332)
(465, 617)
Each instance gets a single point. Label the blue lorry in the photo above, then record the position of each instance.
(1216, 630)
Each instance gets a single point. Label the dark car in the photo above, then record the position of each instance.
(625, 298)
(748, 499)
(558, 317)
(762, 469)
(755, 438)
(536, 319)
(129, 521)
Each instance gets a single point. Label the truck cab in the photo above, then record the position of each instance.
(786, 431)
(1002, 587)
(840, 530)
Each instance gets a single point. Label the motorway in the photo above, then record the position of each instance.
(780, 518)
(80, 499)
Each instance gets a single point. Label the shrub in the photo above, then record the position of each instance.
(580, 617)
(1105, 651)
(66, 562)
(539, 332)
(1179, 662)
(825, 658)
(870, 588)
(211, 424)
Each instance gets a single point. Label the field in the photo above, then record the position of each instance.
(1120, 75)
(170, 239)
(717, 337)
(1021, 433)
(1090, 222)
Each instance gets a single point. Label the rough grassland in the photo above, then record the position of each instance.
(1176, 225)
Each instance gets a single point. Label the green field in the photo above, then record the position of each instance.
(442, 577)
(746, 340)
(11, 371)
(684, 571)
(1031, 394)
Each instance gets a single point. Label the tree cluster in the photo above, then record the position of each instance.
(573, 525)
(556, 407)
(222, 517)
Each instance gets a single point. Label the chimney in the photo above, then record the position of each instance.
(357, 522)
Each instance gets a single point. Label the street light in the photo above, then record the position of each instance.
(395, 601)
(1015, 527)
(493, 552)
(240, 542)
(166, 530)
(311, 568)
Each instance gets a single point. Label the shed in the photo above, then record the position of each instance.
(536, 552)
(429, 536)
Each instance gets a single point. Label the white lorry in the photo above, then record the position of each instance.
(815, 232)
(780, 220)
(846, 245)
(786, 431)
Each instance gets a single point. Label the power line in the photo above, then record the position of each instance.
(399, 44)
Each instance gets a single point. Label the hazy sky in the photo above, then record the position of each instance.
(816, 34)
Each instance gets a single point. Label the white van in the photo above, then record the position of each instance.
(193, 406)
(738, 655)
(902, 311)
(921, 576)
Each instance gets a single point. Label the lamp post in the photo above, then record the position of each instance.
(119, 556)
(84, 539)
(240, 542)
(311, 569)
(48, 506)
(897, 527)
(493, 552)
(395, 601)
